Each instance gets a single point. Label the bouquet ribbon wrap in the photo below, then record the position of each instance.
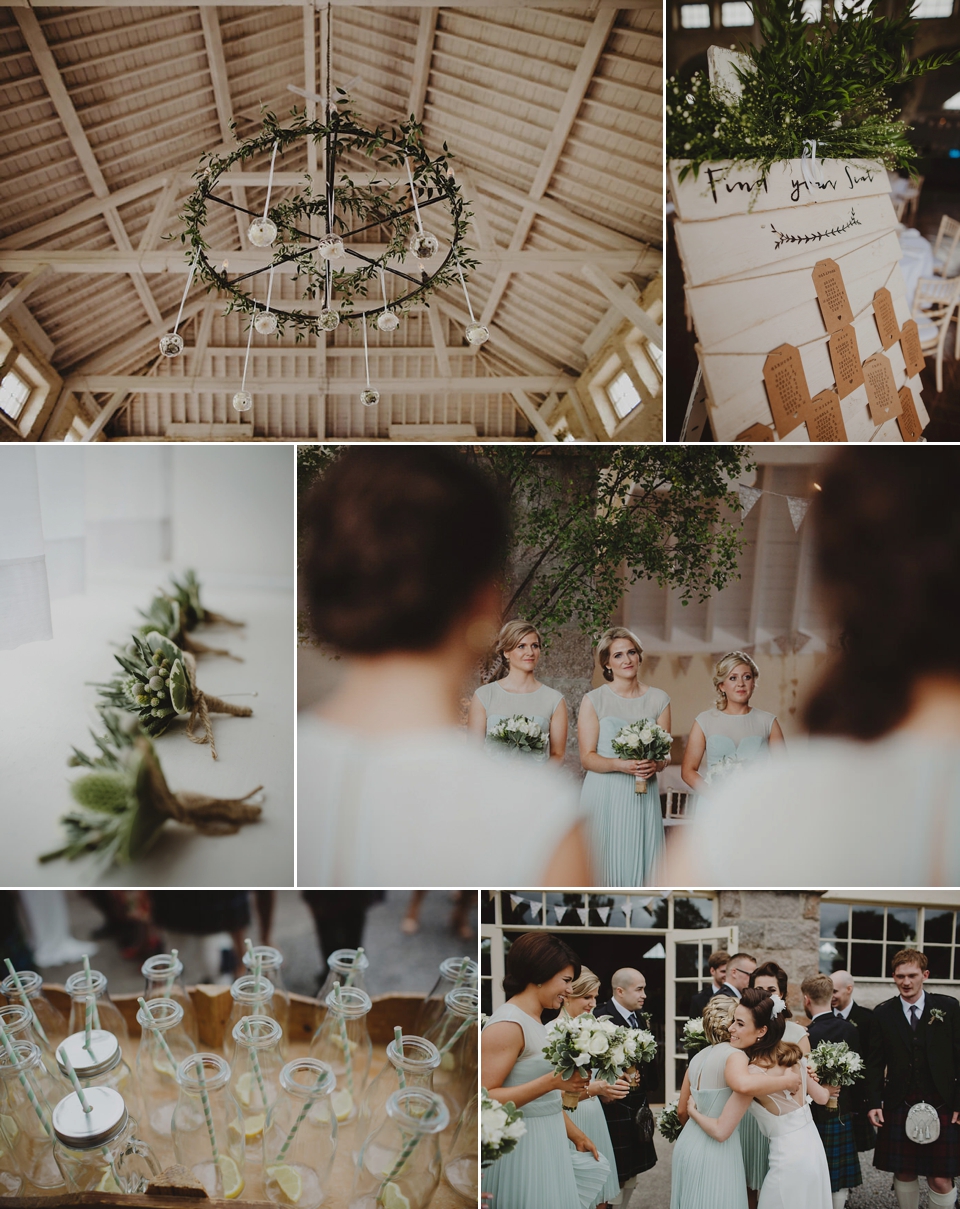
(204, 705)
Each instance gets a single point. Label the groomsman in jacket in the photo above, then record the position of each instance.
(628, 991)
(717, 963)
(845, 1006)
(835, 1126)
(739, 968)
(915, 1057)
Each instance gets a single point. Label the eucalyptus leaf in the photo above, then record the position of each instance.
(179, 685)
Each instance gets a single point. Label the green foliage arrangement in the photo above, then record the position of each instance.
(124, 800)
(828, 81)
(167, 616)
(186, 592)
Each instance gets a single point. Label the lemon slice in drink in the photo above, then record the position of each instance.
(320, 1113)
(244, 1089)
(393, 1198)
(10, 1128)
(289, 1180)
(232, 1179)
(162, 1066)
(253, 1126)
(107, 1182)
(342, 1104)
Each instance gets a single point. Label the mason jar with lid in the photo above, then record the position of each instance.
(455, 973)
(271, 966)
(26, 1130)
(106, 1014)
(102, 1065)
(255, 1075)
(99, 1150)
(163, 1046)
(400, 1164)
(343, 1043)
(300, 1138)
(50, 1022)
(411, 1062)
(163, 979)
(208, 1135)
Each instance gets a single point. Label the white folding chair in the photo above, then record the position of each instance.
(946, 260)
(934, 305)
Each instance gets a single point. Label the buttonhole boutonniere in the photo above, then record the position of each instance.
(937, 1016)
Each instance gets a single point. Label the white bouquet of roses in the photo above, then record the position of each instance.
(501, 1127)
(642, 741)
(694, 1036)
(519, 733)
(639, 1046)
(836, 1065)
(585, 1044)
(669, 1123)
(725, 769)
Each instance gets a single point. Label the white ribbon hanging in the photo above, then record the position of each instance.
(809, 165)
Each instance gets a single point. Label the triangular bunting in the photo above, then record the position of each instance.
(515, 901)
(604, 913)
(652, 661)
(684, 662)
(535, 909)
(582, 912)
(798, 509)
(748, 497)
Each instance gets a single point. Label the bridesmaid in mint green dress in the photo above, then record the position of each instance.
(626, 827)
(543, 1169)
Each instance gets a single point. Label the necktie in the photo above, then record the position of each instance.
(914, 1019)
(634, 1023)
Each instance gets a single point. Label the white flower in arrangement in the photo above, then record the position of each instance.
(597, 1044)
(724, 769)
(694, 1037)
(519, 733)
(501, 1127)
(836, 1064)
(618, 1055)
(646, 735)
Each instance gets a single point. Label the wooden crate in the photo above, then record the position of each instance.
(748, 249)
(212, 1005)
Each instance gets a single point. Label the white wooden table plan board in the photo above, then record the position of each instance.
(801, 316)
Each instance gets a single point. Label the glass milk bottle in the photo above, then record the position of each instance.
(26, 987)
(99, 1150)
(11, 1181)
(17, 1022)
(25, 1113)
(163, 979)
(164, 1044)
(455, 1036)
(300, 1138)
(460, 1168)
(399, 1166)
(455, 972)
(346, 966)
(343, 1043)
(271, 966)
(411, 1062)
(255, 1075)
(100, 1065)
(251, 996)
(106, 1015)
(208, 1126)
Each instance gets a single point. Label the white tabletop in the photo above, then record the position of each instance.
(46, 708)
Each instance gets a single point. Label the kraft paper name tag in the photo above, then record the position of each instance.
(756, 432)
(910, 347)
(845, 359)
(787, 388)
(886, 318)
(831, 294)
(881, 389)
(909, 421)
(825, 419)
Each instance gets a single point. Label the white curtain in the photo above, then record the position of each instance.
(128, 494)
(60, 474)
(24, 597)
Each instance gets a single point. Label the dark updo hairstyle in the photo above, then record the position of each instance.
(397, 543)
(770, 969)
(888, 533)
(536, 957)
(770, 1049)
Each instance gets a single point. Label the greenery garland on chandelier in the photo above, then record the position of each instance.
(344, 208)
(827, 82)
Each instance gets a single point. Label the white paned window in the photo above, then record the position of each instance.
(695, 16)
(656, 356)
(862, 938)
(735, 14)
(812, 10)
(14, 393)
(933, 8)
(623, 394)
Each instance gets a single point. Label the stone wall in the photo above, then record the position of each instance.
(781, 926)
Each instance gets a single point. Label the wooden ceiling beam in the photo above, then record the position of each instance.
(626, 305)
(421, 62)
(166, 385)
(23, 289)
(601, 5)
(527, 409)
(217, 64)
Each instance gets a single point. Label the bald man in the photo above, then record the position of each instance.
(628, 991)
(843, 1005)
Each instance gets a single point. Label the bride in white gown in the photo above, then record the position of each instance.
(798, 1177)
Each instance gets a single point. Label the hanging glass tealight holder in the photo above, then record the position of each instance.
(252, 996)
(330, 246)
(97, 1147)
(423, 244)
(26, 987)
(271, 966)
(411, 1062)
(343, 1043)
(475, 332)
(17, 1022)
(255, 1075)
(455, 972)
(455, 1036)
(400, 1165)
(163, 979)
(460, 1167)
(106, 1015)
(300, 1138)
(164, 1044)
(263, 231)
(25, 1111)
(368, 396)
(241, 400)
(265, 323)
(387, 320)
(171, 345)
(208, 1126)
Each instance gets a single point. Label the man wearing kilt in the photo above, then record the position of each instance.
(914, 1057)
(634, 1154)
(835, 1127)
(845, 1006)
